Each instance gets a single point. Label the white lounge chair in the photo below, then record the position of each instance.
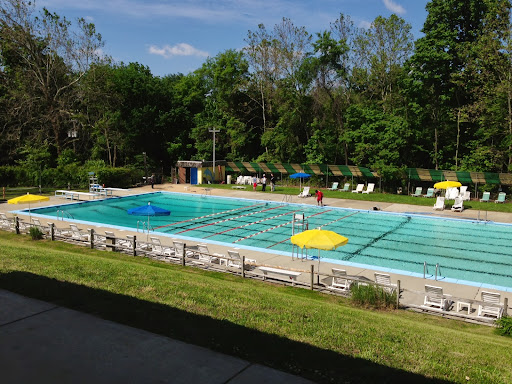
(77, 234)
(495, 309)
(439, 205)
(205, 255)
(418, 192)
(451, 193)
(305, 192)
(339, 280)
(157, 249)
(42, 228)
(385, 280)
(139, 245)
(369, 188)
(235, 260)
(434, 297)
(334, 187)
(458, 205)
(179, 249)
(358, 189)
(4, 221)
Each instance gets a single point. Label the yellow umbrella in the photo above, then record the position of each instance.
(447, 184)
(319, 239)
(28, 198)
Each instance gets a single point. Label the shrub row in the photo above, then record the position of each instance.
(77, 176)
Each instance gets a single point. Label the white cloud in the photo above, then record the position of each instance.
(365, 24)
(181, 49)
(394, 7)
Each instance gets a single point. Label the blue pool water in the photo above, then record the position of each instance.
(470, 252)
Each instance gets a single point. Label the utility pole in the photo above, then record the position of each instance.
(214, 131)
(145, 169)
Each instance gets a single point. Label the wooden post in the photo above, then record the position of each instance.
(312, 276)
(505, 306)
(52, 231)
(3, 193)
(184, 253)
(17, 225)
(243, 267)
(397, 294)
(91, 238)
(134, 245)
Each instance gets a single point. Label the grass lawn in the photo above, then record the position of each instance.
(321, 337)
(376, 197)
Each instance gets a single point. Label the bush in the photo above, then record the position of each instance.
(372, 296)
(35, 233)
(504, 326)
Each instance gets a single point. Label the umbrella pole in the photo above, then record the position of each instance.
(318, 272)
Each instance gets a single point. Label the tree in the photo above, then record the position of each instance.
(43, 59)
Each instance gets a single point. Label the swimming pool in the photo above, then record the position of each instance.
(470, 252)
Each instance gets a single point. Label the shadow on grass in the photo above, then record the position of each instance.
(316, 364)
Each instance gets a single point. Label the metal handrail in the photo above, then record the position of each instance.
(62, 212)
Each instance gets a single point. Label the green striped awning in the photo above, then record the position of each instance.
(492, 178)
(464, 177)
(432, 175)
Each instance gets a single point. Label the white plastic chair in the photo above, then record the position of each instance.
(339, 280)
(305, 192)
(370, 188)
(358, 189)
(439, 205)
(492, 310)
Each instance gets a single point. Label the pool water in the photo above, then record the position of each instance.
(474, 252)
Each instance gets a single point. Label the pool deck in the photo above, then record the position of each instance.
(413, 284)
(62, 345)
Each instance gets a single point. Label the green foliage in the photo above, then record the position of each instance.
(12, 176)
(35, 233)
(374, 296)
(504, 326)
(367, 97)
(119, 177)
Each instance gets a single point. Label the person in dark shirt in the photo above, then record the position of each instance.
(272, 183)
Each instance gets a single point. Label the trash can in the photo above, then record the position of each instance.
(228, 181)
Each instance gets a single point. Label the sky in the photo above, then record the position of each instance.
(172, 37)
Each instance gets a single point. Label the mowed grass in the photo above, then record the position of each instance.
(321, 337)
(376, 197)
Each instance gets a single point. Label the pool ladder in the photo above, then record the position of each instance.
(287, 199)
(425, 270)
(61, 213)
(144, 225)
(485, 220)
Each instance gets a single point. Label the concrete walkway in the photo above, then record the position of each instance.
(44, 343)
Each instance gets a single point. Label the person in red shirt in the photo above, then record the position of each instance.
(319, 198)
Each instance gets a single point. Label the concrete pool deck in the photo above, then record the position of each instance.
(413, 284)
(32, 332)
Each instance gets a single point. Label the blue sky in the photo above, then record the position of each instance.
(173, 37)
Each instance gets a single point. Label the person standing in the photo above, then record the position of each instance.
(254, 183)
(264, 183)
(152, 180)
(319, 198)
(272, 183)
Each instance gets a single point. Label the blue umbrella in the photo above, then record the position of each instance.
(149, 210)
(300, 175)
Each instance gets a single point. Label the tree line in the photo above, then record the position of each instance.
(371, 97)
